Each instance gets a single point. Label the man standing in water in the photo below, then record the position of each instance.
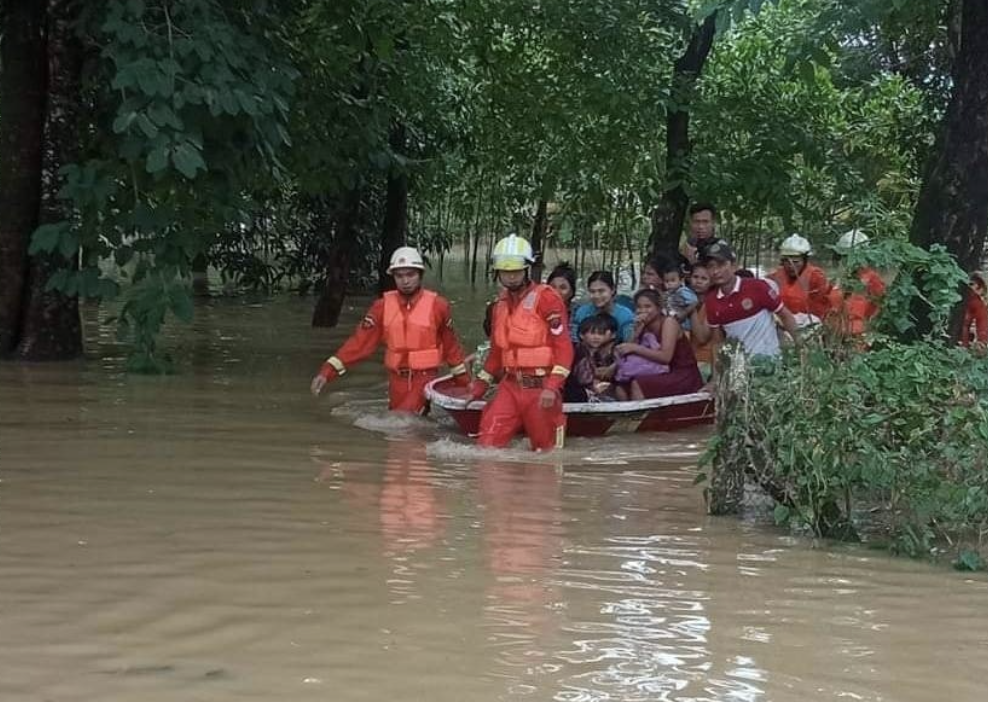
(703, 225)
(530, 351)
(739, 308)
(417, 329)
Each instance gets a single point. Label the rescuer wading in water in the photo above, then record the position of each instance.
(417, 329)
(530, 352)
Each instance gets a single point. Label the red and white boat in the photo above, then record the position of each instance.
(588, 418)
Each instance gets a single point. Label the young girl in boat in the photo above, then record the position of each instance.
(672, 369)
(596, 361)
(641, 356)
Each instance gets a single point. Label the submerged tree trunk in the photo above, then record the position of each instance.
(395, 213)
(22, 118)
(333, 294)
(539, 226)
(200, 276)
(669, 215)
(953, 202)
(50, 325)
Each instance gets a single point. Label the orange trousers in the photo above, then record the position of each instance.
(514, 408)
(406, 392)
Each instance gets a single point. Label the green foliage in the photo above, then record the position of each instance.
(892, 439)
(902, 429)
(192, 102)
(932, 277)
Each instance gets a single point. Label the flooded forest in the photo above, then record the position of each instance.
(202, 200)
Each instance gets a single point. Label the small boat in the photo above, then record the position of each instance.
(588, 418)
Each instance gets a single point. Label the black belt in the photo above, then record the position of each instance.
(526, 380)
(408, 372)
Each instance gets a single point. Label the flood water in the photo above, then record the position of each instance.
(221, 535)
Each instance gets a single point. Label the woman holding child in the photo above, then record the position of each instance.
(658, 361)
(601, 287)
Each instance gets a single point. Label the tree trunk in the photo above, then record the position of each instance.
(333, 294)
(669, 214)
(953, 202)
(23, 92)
(395, 212)
(539, 226)
(200, 275)
(50, 325)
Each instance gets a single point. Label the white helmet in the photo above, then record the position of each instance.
(406, 257)
(795, 245)
(512, 253)
(850, 239)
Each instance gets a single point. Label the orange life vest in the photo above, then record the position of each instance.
(410, 333)
(795, 294)
(522, 334)
(857, 308)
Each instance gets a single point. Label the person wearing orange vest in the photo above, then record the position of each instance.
(803, 287)
(417, 330)
(852, 311)
(974, 331)
(531, 353)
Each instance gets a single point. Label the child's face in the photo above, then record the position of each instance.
(645, 310)
(596, 338)
(672, 281)
(700, 280)
(651, 278)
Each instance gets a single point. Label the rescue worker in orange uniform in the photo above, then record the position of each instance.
(530, 352)
(974, 331)
(417, 329)
(851, 311)
(803, 287)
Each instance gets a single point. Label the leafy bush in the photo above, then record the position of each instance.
(892, 442)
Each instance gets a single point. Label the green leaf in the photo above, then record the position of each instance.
(147, 126)
(157, 160)
(46, 237)
(57, 280)
(123, 121)
(187, 160)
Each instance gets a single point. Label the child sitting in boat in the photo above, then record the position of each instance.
(596, 362)
(641, 357)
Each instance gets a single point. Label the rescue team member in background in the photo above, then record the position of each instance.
(417, 330)
(740, 308)
(851, 311)
(703, 231)
(530, 352)
(803, 287)
(975, 329)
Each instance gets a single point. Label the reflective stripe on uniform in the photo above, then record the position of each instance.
(337, 364)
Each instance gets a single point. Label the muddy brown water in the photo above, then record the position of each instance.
(219, 535)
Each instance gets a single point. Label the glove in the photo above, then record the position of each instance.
(461, 379)
(477, 389)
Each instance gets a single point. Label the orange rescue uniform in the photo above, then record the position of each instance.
(975, 329)
(418, 335)
(853, 311)
(531, 351)
(807, 294)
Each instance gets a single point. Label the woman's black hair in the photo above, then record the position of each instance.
(602, 322)
(605, 277)
(563, 270)
(654, 295)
